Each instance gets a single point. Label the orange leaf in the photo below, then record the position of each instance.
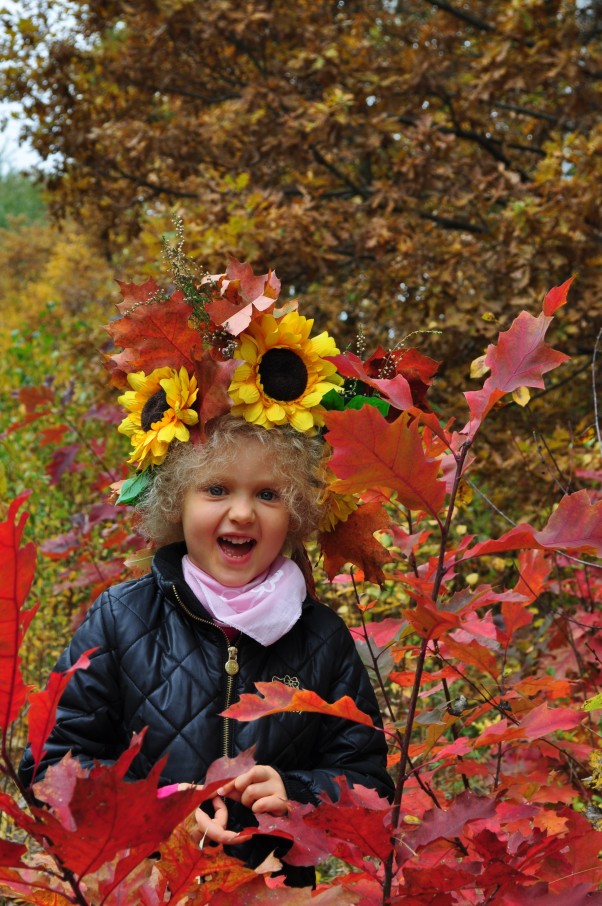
(277, 698)
(370, 452)
(353, 541)
(428, 620)
(556, 297)
(153, 334)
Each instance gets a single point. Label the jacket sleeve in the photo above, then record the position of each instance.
(88, 719)
(356, 751)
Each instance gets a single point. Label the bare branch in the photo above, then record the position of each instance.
(595, 393)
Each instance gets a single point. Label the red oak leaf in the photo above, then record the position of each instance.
(356, 824)
(575, 525)
(92, 818)
(310, 844)
(395, 390)
(381, 633)
(428, 620)
(412, 374)
(450, 822)
(540, 721)
(18, 564)
(276, 698)
(10, 853)
(182, 863)
(36, 886)
(556, 297)
(242, 297)
(431, 886)
(125, 880)
(213, 380)
(152, 335)
(418, 369)
(52, 435)
(520, 359)
(539, 895)
(353, 541)
(61, 462)
(472, 654)
(226, 768)
(43, 705)
(369, 452)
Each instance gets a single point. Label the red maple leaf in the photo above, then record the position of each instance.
(370, 452)
(18, 565)
(353, 541)
(276, 698)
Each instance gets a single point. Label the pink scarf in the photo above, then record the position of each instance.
(264, 609)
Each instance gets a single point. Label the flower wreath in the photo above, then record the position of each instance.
(221, 343)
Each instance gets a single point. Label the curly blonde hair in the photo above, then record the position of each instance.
(298, 468)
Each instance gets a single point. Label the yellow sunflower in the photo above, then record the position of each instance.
(284, 374)
(160, 407)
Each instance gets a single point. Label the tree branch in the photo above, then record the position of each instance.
(464, 16)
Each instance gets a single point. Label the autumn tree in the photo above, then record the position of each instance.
(410, 163)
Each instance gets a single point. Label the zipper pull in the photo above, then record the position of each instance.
(231, 665)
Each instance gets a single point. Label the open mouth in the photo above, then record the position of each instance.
(236, 547)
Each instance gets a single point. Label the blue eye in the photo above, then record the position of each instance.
(216, 490)
(268, 495)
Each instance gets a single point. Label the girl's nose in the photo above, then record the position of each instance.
(241, 508)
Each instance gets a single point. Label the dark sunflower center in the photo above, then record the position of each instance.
(283, 375)
(153, 409)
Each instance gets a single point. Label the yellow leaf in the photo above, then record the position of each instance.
(463, 497)
(521, 395)
(478, 367)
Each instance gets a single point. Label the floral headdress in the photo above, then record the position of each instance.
(222, 344)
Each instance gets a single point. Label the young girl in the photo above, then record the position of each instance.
(225, 606)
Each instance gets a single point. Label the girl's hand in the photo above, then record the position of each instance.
(261, 789)
(214, 829)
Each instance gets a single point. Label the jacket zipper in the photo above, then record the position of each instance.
(231, 667)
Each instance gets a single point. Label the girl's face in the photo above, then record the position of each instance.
(235, 525)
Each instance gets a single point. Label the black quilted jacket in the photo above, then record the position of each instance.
(161, 664)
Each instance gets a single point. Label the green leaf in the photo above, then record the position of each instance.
(333, 400)
(358, 402)
(133, 488)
